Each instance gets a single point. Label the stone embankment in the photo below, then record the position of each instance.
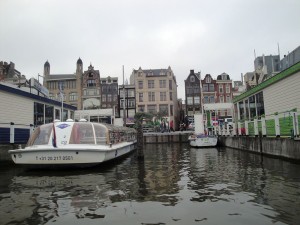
(278, 147)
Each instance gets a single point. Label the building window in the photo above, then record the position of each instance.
(103, 98)
(49, 114)
(131, 103)
(141, 108)
(91, 83)
(205, 87)
(170, 84)
(221, 99)
(212, 99)
(141, 86)
(252, 107)
(197, 100)
(189, 90)
(162, 84)
(171, 110)
(130, 93)
(228, 99)
(208, 79)
(221, 88)
(260, 104)
(189, 100)
(141, 97)
(109, 98)
(227, 88)
(163, 109)
(151, 96)
(163, 96)
(150, 83)
(205, 99)
(211, 87)
(192, 78)
(115, 98)
(73, 96)
(196, 89)
(151, 109)
(122, 104)
(57, 114)
(171, 96)
(38, 114)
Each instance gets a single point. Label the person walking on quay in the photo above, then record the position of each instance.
(162, 127)
(171, 126)
(186, 122)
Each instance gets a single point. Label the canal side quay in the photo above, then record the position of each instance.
(280, 147)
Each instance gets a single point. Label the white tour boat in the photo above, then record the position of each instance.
(78, 144)
(200, 138)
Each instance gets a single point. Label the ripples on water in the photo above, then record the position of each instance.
(175, 184)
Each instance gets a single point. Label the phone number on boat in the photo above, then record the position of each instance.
(53, 158)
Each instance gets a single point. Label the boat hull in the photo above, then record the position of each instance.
(203, 141)
(75, 156)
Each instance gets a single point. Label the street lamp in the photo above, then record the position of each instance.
(39, 77)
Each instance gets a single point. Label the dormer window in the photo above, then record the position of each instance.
(192, 78)
(208, 79)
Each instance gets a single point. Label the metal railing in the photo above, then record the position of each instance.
(282, 124)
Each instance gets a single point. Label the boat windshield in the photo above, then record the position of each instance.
(82, 133)
(41, 135)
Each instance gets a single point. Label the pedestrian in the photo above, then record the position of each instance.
(171, 126)
(162, 127)
(186, 122)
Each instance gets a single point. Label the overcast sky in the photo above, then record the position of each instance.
(211, 36)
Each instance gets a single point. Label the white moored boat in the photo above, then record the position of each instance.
(78, 144)
(200, 138)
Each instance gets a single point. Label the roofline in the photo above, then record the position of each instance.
(278, 77)
(35, 97)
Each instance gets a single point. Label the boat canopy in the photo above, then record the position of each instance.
(81, 133)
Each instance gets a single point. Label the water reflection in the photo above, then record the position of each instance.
(175, 184)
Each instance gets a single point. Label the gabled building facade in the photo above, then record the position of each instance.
(156, 92)
(192, 94)
(224, 93)
(80, 89)
(129, 109)
(109, 92)
(90, 89)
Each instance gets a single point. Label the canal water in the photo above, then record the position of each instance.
(175, 184)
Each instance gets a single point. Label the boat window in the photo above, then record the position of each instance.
(101, 134)
(41, 135)
(82, 133)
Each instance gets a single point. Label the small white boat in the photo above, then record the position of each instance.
(199, 138)
(202, 140)
(75, 144)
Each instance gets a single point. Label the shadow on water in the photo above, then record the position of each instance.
(174, 184)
